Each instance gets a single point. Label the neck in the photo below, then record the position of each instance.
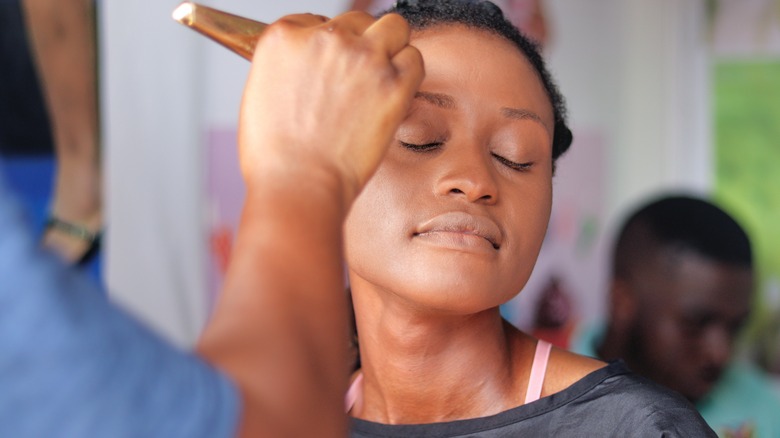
(421, 366)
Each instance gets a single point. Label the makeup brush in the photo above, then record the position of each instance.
(238, 34)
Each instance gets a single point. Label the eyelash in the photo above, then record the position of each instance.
(520, 167)
(429, 147)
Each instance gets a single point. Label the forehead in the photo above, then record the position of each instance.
(689, 282)
(477, 65)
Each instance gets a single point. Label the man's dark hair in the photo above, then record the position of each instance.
(484, 15)
(682, 223)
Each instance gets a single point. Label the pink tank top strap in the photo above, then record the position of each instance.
(354, 392)
(538, 371)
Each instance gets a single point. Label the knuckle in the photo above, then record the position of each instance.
(369, 57)
(398, 22)
(280, 28)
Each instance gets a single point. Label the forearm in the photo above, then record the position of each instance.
(321, 103)
(62, 36)
(360, 5)
(63, 42)
(283, 311)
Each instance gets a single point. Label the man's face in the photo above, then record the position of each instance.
(690, 310)
(455, 215)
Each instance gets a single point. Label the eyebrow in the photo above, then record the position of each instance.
(521, 114)
(441, 100)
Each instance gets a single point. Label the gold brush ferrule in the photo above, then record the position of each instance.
(238, 34)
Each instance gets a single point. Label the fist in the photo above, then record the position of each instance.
(326, 96)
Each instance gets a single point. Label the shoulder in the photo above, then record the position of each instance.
(610, 401)
(565, 368)
(631, 405)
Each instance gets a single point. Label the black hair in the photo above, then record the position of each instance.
(684, 223)
(484, 15)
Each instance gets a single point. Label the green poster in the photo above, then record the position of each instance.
(747, 180)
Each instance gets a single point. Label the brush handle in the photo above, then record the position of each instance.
(237, 33)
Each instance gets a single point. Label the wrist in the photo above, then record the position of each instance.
(299, 185)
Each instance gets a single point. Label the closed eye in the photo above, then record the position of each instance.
(421, 147)
(521, 167)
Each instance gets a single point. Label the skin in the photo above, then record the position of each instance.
(321, 103)
(681, 314)
(450, 228)
(62, 36)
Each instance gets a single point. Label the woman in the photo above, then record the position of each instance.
(447, 229)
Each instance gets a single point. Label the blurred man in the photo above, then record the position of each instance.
(681, 289)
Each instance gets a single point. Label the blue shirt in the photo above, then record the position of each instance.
(74, 365)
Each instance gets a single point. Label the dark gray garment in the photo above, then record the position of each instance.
(610, 402)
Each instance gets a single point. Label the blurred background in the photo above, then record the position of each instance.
(662, 95)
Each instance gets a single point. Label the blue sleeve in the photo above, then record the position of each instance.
(74, 365)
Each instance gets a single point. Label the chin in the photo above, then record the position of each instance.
(456, 295)
(698, 393)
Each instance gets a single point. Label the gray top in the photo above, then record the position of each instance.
(611, 401)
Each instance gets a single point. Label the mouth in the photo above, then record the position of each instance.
(703, 382)
(710, 375)
(462, 228)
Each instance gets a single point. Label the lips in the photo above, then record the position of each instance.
(710, 374)
(464, 224)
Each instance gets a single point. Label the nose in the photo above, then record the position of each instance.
(470, 174)
(718, 345)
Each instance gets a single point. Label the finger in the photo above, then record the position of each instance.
(285, 29)
(355, 22)
(391, 33)
(408, 64)
(410, 67)
(303, 20)
(410, 72)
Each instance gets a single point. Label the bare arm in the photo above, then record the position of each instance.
(321, 104)
(63, 42)
(360, 5)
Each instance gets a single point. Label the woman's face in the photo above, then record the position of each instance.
(455, 215)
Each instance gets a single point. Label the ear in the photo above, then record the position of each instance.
(623, 303)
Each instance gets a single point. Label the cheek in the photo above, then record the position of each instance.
(545, 200)
(377, 221)
(665, 338)
(531, 214)
(528, 220)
